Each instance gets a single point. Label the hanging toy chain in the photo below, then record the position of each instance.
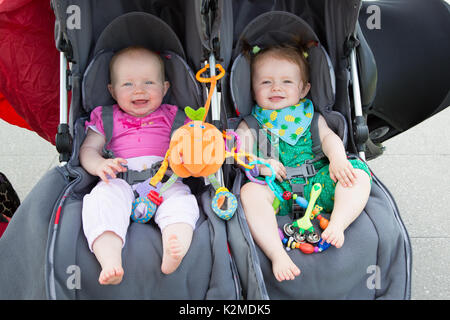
(145, 205)
(212, 80)
(223, 209)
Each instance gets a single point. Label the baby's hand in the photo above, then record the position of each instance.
(342, 170)
(109, 168)
(278, 167)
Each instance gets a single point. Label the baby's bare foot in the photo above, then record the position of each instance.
(334, 235)
(172, 256)
(112, 275)
(283, 268)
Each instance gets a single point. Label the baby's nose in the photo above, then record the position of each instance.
(139, 88)
(276, 86)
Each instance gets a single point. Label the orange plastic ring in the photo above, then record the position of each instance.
(240, 162)
(216, 77)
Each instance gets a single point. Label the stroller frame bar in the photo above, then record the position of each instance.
(215, 109)
(215, 104)
(63, 105)
(356, 93)
(63, 140)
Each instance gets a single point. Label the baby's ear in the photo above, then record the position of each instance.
(166, 85)
(111, 90)
(305, 90)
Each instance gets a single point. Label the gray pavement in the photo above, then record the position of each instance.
(415, 169)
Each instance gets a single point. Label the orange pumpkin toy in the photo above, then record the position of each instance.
(196, 149)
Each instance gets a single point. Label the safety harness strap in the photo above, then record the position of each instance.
(132, 176)
(107, 119)
(180, 117)
(304, 171)
(261, 142)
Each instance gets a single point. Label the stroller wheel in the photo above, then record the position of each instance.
(288, 229)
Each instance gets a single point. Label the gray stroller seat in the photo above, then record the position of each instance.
(375, 261)
(56, 255)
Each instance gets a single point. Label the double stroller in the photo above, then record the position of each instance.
(45, 244)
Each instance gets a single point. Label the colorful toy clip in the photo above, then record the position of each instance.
(304, 223)
(297, 240)
(322, 245)
(302, 246)
(144, 206)
(143, 210)
(290, 243)
(219, 200)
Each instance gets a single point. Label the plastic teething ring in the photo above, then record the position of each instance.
(239, 161)
(238, 142)
(211, 79)
(269, 180)
(151, 208)
(224, 214)
(252, 178)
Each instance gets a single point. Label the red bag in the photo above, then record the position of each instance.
(29, 66)
(3, 224)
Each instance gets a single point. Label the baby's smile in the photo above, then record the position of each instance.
(276, 98)
(140, 102)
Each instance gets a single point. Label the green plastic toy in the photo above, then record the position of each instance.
(304, 223)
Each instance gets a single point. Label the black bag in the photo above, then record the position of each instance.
(9, 200)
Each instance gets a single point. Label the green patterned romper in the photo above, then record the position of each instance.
(292, 156)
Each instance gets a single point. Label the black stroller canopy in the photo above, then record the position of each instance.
(92, 17)
(274, 28)
(139, 29)
(332, 21)
(126, 31)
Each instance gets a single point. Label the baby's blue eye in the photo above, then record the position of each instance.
(149, 82)
(202, 126)
(127, 84)
(191, 125)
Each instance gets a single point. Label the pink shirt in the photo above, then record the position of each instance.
(135, 137)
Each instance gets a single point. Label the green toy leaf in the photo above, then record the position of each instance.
(195, 114)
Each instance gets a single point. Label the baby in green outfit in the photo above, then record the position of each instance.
(280, 84)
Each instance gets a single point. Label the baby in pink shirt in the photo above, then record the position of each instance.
(140, 137)
(137, 136)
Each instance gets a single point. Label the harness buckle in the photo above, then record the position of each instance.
(133, 176)
(306, 170)
(297, 211)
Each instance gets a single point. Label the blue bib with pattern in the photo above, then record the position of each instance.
(289, 123)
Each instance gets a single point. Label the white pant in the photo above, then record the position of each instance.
(108, 208)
